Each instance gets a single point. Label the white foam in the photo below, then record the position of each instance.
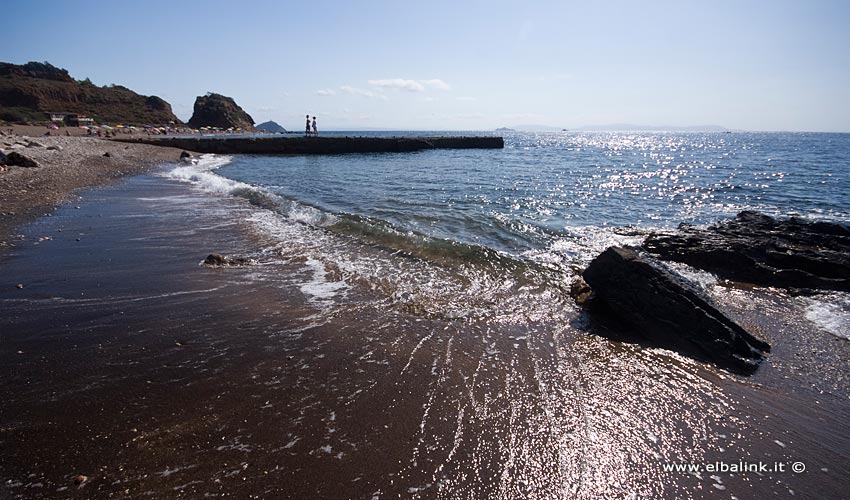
(585, 243)
(319, 288)
(830, 313)
(310, 216)
(201, 175)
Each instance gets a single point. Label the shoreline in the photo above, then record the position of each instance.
(66, 165)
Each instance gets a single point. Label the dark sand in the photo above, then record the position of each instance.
(28, 193)
(127, 362)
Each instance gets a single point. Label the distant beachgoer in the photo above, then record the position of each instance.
(307, 131)
(315, 129)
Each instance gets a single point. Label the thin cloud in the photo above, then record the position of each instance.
(410, 85)
(326, 92)
(437, 84)
(348, 89)
(466, 99)
(398, 83)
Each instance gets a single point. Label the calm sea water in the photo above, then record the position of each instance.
(543, 187)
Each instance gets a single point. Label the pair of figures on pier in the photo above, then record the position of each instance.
(315, 128)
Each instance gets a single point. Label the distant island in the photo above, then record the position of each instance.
(505, 129)
(271, 126)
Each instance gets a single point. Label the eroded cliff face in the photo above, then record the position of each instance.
(216, 110)
(29, 91)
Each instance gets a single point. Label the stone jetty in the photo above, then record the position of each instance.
(317, 145)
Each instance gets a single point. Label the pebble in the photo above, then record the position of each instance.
(20, 285)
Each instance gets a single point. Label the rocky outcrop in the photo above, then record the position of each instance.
(271, 127)
(670, 311)
(216, 110)
(759, 249)
(29, 91)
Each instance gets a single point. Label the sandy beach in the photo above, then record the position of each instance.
(66, 165)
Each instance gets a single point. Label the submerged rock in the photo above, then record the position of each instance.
(219, 260)
(669, 310)
(186, 156)
(759, 249)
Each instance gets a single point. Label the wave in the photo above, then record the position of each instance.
(367, 230)
(201, 175)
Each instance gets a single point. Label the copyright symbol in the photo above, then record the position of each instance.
(798, 467)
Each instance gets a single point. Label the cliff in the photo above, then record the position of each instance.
(216, 110)
(29, 91)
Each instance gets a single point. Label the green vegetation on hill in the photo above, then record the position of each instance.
(29, 91)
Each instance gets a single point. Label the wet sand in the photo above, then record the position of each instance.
(126, 361)
(66, 164)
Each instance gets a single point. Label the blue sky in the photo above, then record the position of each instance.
(465, 65)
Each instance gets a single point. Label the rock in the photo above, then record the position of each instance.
(218, 260)
(670, 310)
(761, 250)
(33, 144)
(17, 159)
(79, 479)
(19, 286)
(107, 154)
(580, 291)
(216, 110)
(186, 156)
(3, 159)
(54, 148)
(215, 259)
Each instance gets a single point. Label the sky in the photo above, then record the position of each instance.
(462, 65)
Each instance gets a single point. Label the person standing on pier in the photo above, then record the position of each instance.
(315, 129)
(307, 130)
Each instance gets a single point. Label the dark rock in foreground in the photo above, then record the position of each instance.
(670, 311)
(759, 249)
(17, 159)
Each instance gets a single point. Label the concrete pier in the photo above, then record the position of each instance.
(317, 145)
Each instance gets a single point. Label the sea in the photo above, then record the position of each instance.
(547, 203)
(401, 326)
